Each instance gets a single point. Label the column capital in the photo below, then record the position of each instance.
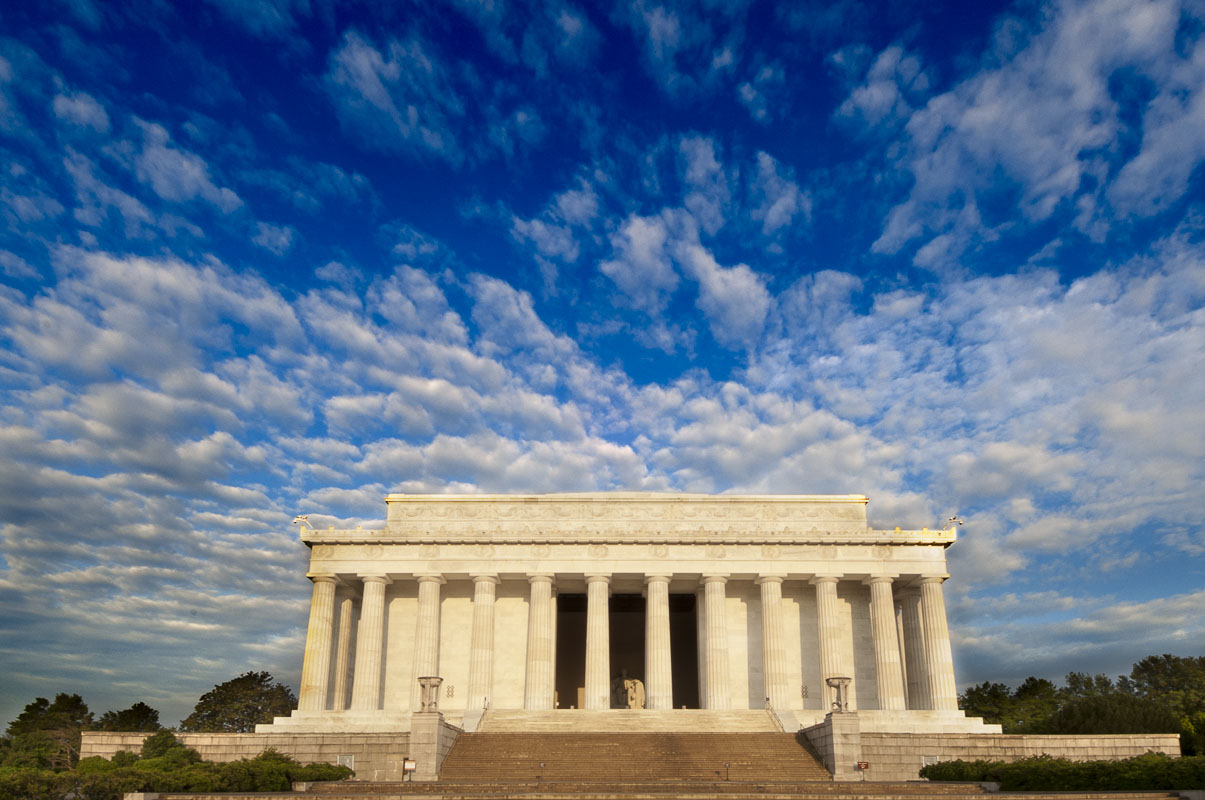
(322, 577)
(873, 579)
(774, 577)
(540, 577)
(938, 579)
(385, 579)
(816, 580)
(479, 577)
(715, 577)
(656, 576)
(428, 577)
(594, 577)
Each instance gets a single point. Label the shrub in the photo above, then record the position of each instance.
(158, 744)
(124, 758)
(179, 769)
(95, 764)
(1043, 773)
(34, 784)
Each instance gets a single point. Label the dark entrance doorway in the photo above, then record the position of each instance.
(684, 650)
(627, 635)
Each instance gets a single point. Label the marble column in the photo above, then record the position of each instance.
(598, 641)
(939, 660)
(899, 637)
(366, 686)
(658, 671)
(914, 650)
(426, 636)
(481, 645)
(889, 671)
(316, 665)
(829, 635)
(343, 653)
(775, 675)
(718, 693)
(554, 626)
(538, 686)
(701, 645)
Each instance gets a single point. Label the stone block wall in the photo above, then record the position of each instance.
(899, 756)
(378, 756)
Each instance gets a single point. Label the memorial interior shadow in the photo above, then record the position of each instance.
(627, 633)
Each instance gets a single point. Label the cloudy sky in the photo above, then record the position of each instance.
(269, 257)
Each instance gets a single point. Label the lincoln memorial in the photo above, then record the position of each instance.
(477, 637)
(641, 602)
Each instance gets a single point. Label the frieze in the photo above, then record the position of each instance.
(627, 518)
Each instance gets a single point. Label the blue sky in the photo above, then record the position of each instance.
(269, 257)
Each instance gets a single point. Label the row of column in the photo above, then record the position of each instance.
(913, 660)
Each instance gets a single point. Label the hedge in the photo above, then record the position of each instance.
(1044, 773)
(176, 771)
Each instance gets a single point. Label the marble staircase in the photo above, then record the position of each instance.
(513, 757)
(729, 790)
(628, 721)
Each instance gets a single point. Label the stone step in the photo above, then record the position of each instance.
(659, 791)
(621, 720)
(517, 757)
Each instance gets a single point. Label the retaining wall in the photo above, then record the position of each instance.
(899, 756)
(376, 756)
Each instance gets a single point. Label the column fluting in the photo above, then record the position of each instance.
(316, 664)
(426, 636)
(829, 635)
(658, 671)
(719, 695)
(939, 660)
(366, 685)
(914, 650)
(598, 642)
(889, 674)
(701, 644)
(774, 651)
(481, 644)
(538, 687)
(343, 653)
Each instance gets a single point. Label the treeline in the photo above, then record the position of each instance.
(1162, 694)
(47, 734)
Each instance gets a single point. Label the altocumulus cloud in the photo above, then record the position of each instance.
(167, 418)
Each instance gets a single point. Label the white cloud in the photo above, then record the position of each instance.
(894, 82)
(642, 268)
(177, 175)
(83, 110)
(14, 266)
(734, 299)
(759, 94)
(397, 99)
(1038, 128)
(707, 195)
(277, 239)
(777, 196)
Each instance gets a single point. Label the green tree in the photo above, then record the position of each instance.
(1036, 699)
(47, 734)
(992, 701)
(138, 717)
(237, 705)
(1115, 712)
(1081, 684)
(1177, 681)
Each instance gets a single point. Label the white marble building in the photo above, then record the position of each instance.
(540, 602)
